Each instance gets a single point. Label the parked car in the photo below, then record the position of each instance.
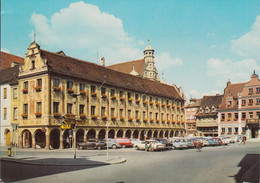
(179, 143)
(218, 140)
(213, 142)
(230, 140)
(112, 143)
(135, 142)
(240, 138)
(167, 143)
(195, 141)
(92, 143)
(154, 145)
(124, 142)
(190, 143)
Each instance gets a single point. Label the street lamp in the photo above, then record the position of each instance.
(75, 125)
(107, 123)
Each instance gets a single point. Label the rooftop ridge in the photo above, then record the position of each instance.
(125, 62)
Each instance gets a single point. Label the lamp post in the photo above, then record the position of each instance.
(107, 123)
(75, 125)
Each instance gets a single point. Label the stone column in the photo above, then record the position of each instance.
(124, 132)
(33, 141)
(61, 140)
(20, 141)
(47, 133)
(139, 134)
(85, 136)
(97, 132)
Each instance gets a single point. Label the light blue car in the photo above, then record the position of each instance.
(112, 143)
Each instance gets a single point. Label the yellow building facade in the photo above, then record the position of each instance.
(103, 101)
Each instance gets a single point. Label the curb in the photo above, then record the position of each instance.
(52, 164)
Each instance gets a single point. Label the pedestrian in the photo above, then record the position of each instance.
(244, 139)
(199, 144)
(146, 146)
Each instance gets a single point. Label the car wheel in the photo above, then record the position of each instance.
(137, 148)
(124, 146)
(114, 146)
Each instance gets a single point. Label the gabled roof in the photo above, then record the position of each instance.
(7, 59)
(89, 71)
(210, 101)
(9, 75)
(127, 67)
(233, 90)
(213, 100)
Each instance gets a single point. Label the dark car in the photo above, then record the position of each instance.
(166, 142)
(92, 144)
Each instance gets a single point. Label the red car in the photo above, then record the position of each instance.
(218, 140)
(124, 142)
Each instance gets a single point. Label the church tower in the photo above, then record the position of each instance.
(149, 70)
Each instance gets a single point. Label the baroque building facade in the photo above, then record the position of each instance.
(103, 100)
(239, 111)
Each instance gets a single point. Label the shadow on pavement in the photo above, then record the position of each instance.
(249, 171)
(12, 171)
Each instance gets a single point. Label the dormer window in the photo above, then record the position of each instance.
(229, 103)
(33, 65)
(207, 110)
(69, 84)
(213, 109)
(201, 110)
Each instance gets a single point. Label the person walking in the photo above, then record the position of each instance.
(244, 139)
(199, 144)
(146, 146)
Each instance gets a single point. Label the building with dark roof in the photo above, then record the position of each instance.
(7, 77)
(7, 60)
(207, 115)
(55, 88)
(239, 112)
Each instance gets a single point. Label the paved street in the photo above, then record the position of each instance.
(213, 164)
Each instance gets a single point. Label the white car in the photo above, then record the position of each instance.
(152, 144)
(227, 140)
(180, 143)
(135, 142)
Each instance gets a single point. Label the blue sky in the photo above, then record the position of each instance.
(199, 45)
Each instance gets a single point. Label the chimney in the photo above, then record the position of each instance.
(103, 61)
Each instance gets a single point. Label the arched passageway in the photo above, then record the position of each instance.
(171, 134)
(7, 137)
(155, 134)
(111, 133)
(176, 134)
(119, 134)
(143, 133)
(40, 138)
(27, 139)
(149, 134)
(166, 134)
(102, 134)
(80, 135)
(55, 138)
(135, 134)
(128, 134)
(161, 134)
(91, 134)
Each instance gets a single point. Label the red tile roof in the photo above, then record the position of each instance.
(7, 59)
(127, 67)
(233, 90)
(89, 71)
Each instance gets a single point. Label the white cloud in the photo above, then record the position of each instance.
(5, 50)
(239, 71)
(248, 45)
(85, 29)
(165, 60)
(212, 46)
(208, 35)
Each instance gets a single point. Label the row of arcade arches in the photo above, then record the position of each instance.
(63, 139)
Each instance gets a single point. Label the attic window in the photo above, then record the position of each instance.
(33, 65)
(207, 110)
(201, 110)
(213, 109)
(229, 103)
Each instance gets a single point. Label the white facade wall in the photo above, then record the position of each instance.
(5, 123)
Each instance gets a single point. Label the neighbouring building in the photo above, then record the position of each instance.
(239, 111)
(7, 76)
(9, 60)
(207, 115)
(190, 115)
(51, 84)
